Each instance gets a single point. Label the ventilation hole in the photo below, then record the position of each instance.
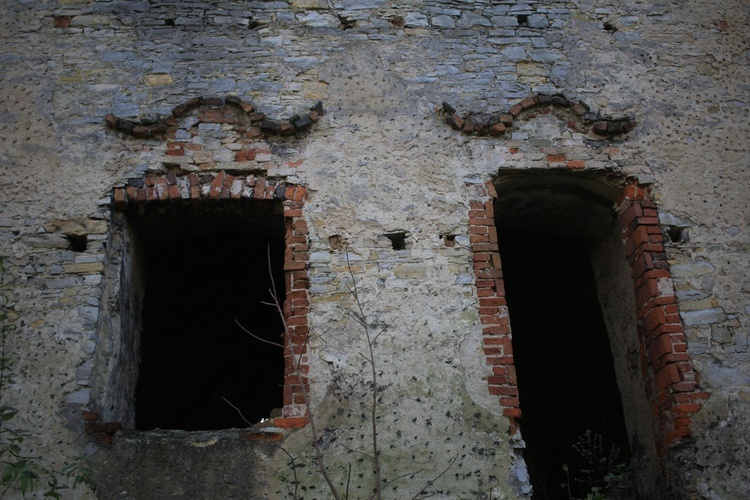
(397, 22)
(677, 234)
(449, 239)
(62, 21)
(347, 23)
(523, 19)
(611, 28)
(254, 25)
(169, 22)
(336, 242)
(398, 239)
(78, 242)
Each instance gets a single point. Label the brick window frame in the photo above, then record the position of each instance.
(225, 187)
(670, 382)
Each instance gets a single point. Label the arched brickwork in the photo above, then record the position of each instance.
(222, 187)
(577, 116)
(669, 379)
(670, 382)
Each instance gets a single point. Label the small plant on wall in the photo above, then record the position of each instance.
(599, 473)
(19, 471)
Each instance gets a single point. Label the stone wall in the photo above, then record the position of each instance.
(428, 109)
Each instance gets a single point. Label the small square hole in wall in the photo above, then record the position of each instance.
(398, 239)
(198, 271)
(77, 242)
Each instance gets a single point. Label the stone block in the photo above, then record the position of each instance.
(691, 269)
(411, 270)
(415, 20)
(702, 317)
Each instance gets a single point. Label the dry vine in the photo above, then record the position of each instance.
(360, 318)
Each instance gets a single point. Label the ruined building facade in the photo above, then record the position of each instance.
(504, 236)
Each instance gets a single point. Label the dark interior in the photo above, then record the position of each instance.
(566, 379)
(204, 270)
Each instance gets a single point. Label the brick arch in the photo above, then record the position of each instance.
(231, 109)
(222, 187)
(576, 114)
(670, 382)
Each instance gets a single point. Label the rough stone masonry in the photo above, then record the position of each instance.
(395, 142)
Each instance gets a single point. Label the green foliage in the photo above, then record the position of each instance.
(600, 472)
(19, 471)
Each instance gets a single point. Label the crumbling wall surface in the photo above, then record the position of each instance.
(381, 161)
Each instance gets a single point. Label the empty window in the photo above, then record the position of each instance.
(197, 271)
(570, 303)
(566, 379)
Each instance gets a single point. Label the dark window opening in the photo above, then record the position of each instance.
(523, 19)
(566, 380)
(202, 270)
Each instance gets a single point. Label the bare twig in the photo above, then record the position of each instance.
(432, 481)
(239, 412)
(352, 450)
(348, 480)
(374, 381)
(397, 478)
(291, 457)
(300, 380)
(258, 338)
(361, 318)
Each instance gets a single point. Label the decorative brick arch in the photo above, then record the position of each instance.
(669, 379)
(222, 187)
(577, 116)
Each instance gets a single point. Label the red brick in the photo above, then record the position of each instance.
(494, 340)
(660, 347)
(629, 214)
(481, 221)
(486, 284)
(666, 377)
(654, 318)
(261, 436)
(529, 102)
(291, 422)
(216, 185)
(484, 247)
(491, 301)
(645, 292)
(512, 412)
(556, 158)
(490, 273)
(119, 198)
(676, 435)
(503, 390)
(496, 329)
(576, 164)
(509, 401)
(245, 155)
(687, 408)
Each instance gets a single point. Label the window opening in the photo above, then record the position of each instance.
(571, 306)
(566, 380)
(201, 268)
